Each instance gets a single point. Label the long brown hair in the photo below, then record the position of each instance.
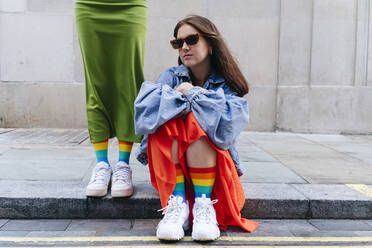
(221, 56)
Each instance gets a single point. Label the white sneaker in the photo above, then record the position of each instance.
(205, 224)
(121, 185)
(99, 181)
(175, 220)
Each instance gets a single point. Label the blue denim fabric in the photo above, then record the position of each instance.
(220, 112)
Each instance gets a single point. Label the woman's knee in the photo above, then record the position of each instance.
(201, 154)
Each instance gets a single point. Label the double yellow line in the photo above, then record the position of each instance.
(187, 238)
(303, 241)
(200, 246)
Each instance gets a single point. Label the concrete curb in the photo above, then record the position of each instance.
(58, 200)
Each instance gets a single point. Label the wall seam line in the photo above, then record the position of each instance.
(356, 47)
(276, 120)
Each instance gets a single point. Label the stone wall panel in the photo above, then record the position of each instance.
(295, 42)
(36, 47)
(333, 43)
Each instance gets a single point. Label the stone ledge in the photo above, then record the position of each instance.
(71, 203)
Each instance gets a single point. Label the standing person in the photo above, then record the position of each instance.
(112, 36)
(191, 117)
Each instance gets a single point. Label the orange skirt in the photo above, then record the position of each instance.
(227, 187)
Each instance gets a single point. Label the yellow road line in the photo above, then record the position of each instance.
(361, 188)
(187, 238)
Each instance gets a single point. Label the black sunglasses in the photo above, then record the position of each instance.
(190, 40)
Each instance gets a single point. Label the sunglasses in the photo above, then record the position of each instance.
(190, 40)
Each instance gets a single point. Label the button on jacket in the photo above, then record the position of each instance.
(220, 112)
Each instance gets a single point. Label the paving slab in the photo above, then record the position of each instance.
(261, 231)
(326, 234)
(100, 225)
(44, 136)
(262, 172)
(47, 152)
(287, 225)
(46, 189)
(5, 130)
(359, 151)
(47, 170)
(139, 224)
(36, 225)
(363, 234)
(3, 221)
(329, 192)
(298, 154)
(53, 234)
(327, 139)
(272, 191)
(341, 225)
(369, 222)
(357, 146)
(255, 156)
(13, 233)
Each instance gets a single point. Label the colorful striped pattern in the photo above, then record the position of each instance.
(180, 183)
(101, 151)
(124, 151)
(203, 180)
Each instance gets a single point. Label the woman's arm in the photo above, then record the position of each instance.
(157, 103)
(221, 114)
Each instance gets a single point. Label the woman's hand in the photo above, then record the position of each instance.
(184, 88)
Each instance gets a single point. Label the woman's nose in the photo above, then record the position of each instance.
(185, 46)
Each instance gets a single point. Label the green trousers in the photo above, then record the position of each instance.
(112, 36)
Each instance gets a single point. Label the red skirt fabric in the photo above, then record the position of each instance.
(227, 187)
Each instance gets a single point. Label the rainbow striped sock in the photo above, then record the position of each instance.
(179, 190)
(124, 151)
(203, 180)
(101, 151)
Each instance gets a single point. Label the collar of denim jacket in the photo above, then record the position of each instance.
(183, 71)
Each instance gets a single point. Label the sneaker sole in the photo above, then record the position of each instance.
(185, 227)
(122, 193)
(96, 193)
(169, 238)
(205, 238)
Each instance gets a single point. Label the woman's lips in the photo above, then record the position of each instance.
(186, 56)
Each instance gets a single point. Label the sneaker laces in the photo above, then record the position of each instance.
(100, 174)
(204, 212)
(122, 173)
(172, 210)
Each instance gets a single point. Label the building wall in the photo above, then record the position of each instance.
(308, 62)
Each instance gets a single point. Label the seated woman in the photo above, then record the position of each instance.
(191, 117)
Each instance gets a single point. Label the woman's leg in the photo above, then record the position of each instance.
(202, 161)
(179, 190)
(125, 149)
(122, 185)
(101, 173)
(167, 177)
(101, 151)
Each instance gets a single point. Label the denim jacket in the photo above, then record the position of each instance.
(220, 112)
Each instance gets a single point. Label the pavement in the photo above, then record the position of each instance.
(44, 172)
